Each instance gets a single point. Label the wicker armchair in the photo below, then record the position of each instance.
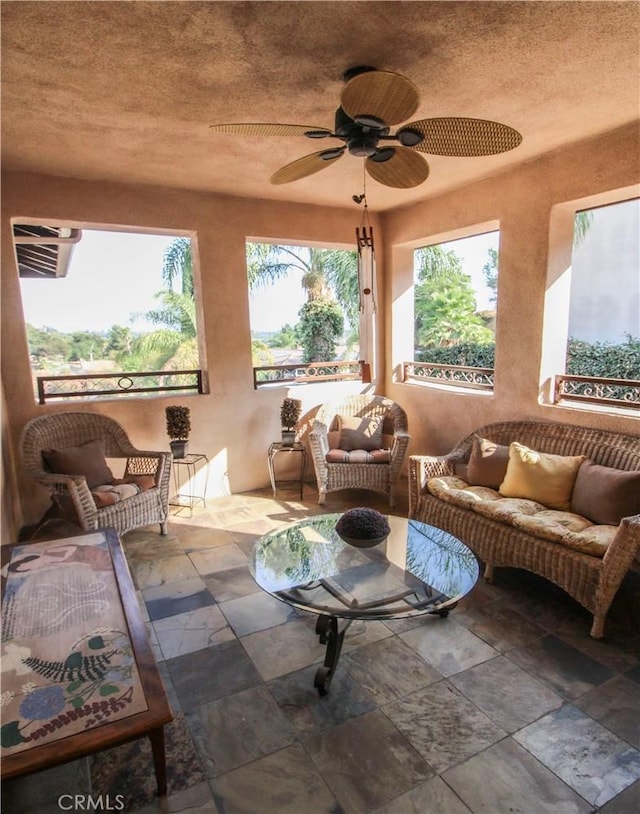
(64, 430)
(377, 477)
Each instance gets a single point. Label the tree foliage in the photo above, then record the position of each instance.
(445, 303)
(604, 359)
(490, 271)
(321, 326)
(177, 266)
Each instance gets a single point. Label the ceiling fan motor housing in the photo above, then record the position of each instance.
(361, 139)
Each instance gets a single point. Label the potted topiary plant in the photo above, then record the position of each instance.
(290, 411)
(178, 429)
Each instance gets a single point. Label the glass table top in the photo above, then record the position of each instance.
(418, 569)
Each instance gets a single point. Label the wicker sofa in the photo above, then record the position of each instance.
(506, 532)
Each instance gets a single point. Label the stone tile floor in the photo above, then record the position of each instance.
(505, 706)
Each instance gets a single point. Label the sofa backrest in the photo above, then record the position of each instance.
(601, 446)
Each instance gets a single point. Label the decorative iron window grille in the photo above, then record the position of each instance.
(312, 372)
(103, 385)
(594, 390)
(479, 378)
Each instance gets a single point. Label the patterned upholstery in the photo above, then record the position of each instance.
(519, 533)
(562, 527)
(64, 430)
(340, 469)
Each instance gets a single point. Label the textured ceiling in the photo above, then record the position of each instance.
(125, 91)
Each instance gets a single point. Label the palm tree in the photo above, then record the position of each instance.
(325, 273)
(177, 265)
(174, 345)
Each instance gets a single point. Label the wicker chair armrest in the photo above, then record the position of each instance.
(59, 483)
(421, 469)
(148, 462)
(76, 488)
(319, 439)
(627, 539)
(622, 550)
(319, 442)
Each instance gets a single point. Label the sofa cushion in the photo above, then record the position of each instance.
(567, 528)
(540, 476)
(571, 530)
(487, 463)
(358, 456)
(605, 494)
(357, 432)
(87, 460)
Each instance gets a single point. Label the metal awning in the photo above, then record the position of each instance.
(44, 251)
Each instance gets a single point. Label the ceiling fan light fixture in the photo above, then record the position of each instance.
(363, 144)
(373, 122)
(384, 154)
(329, 155)
(318, 133)
(409, 137)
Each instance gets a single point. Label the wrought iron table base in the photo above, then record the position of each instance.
(327, 630)
(330, 635)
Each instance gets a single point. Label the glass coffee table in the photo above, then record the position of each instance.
(419, 569)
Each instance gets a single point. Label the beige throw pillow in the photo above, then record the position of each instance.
(540, 476)
(360, 433)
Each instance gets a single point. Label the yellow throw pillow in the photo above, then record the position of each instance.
(540, 476)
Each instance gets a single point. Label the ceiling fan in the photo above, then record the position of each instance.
(371, 102)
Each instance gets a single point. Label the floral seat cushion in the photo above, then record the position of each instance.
(566, 528)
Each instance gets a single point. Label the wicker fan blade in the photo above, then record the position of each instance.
(307, 165)
(382, 94)
(401, 170)
(464, 137)
(247, 129)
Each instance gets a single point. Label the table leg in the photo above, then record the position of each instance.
(272, 476)
(443, 613)
(327, 629)
(303, 461)
(156, 736)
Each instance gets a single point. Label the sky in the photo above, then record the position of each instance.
(114, 275)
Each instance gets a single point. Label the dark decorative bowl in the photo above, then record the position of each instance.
(363, 542)
(363, 527)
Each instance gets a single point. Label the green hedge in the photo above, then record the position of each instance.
(470, 354)
(604, 360)
(601, 359)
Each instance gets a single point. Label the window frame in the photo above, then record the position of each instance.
(120, 384)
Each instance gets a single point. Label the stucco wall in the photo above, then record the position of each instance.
(535, 251)
(233, 424)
